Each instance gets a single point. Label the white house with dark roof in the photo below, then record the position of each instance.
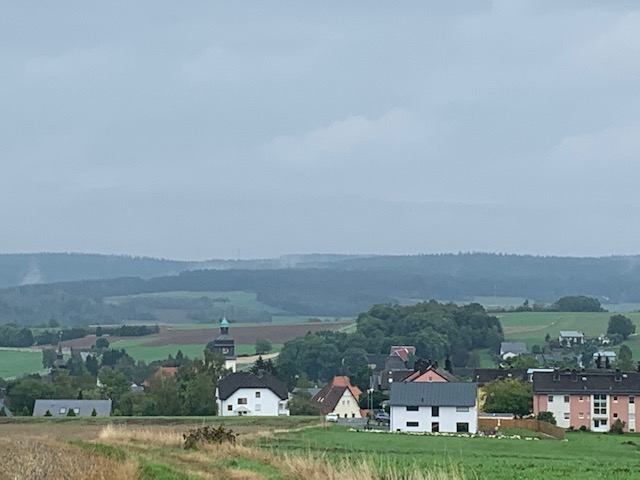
(512, 349)
(434, 407)
(252, 394)
(571, 337)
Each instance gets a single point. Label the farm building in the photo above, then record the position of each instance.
(80, 408)
(434, 407)
(252, 394)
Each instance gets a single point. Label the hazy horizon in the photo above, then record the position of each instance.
(203, 131)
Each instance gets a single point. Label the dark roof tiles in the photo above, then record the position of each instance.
(231, 383)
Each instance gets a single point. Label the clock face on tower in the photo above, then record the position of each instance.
(225, 350)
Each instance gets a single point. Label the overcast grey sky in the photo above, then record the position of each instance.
(197, 130)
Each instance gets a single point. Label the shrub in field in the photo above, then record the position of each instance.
(205, 435)
(48, 413)
(71, 413)
(617, 427)
(94, 413)
(3, 413)
(547, 417)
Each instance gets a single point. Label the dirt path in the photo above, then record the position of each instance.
(253, 358)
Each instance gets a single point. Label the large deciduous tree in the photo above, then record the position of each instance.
(620, 325)
(508, 396)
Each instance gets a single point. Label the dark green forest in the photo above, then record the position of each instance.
(321, 285)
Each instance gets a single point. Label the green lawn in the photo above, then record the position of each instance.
(14, 363)
(582, 456)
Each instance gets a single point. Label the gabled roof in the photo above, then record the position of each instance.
(332, 392)
(235, 381)
(415, 376)
(60, 407)
(587, 383)
(403, 351)
(571, 333)
(513, 347)
(442, 394)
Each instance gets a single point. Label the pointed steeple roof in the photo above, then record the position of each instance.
(224, 322)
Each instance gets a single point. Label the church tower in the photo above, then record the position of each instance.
(225, 345)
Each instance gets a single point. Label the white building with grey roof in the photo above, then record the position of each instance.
(434, 407)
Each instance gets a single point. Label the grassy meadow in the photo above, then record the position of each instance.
(532, 327)
(17, 362)
(305, 448)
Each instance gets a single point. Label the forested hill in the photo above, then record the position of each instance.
(34, 268)
(336, 285)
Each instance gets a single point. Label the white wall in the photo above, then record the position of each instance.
(558, 407)
(447, 418)
(348, 406)
(267, 404)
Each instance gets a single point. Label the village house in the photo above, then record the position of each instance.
(80, 408)
(252, 394)
(512, 349)
(434, 407)
(339, 397)
(593, 400)
(571, 337)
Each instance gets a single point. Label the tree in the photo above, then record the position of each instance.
(53, 323)
(621, 325)
(102, 342)
(617, 427)
(625, 359)
(263, 346)
(508, 396)
(547, 417)
(71, 413)
(577, 303)
(3, 412)
(94, 413)
(300, 403)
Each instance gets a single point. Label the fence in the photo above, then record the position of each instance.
(525, 423)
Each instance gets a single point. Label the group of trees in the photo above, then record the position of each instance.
(437, 331)
(110, 374)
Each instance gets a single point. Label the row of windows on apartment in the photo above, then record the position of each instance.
(435, 411)
(632, 399)
(461, 427)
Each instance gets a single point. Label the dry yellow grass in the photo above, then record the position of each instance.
(35, 459)
(156, 436)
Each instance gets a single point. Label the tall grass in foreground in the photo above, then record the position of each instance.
(28, 458)
(226, 458)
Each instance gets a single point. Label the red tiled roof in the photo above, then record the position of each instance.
(329, 396)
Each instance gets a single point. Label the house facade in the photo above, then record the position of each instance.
(434, 407)
(339, 397)
(512, 349)
(591, 399)
(249, 394)
(571, 337)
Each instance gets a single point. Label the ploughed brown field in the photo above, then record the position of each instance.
(246, 334)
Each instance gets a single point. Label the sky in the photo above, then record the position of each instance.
(198, 130)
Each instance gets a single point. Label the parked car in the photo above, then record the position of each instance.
(331, 417)
(382, 417)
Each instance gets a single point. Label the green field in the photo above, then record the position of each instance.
(582, 456)
(14, 362)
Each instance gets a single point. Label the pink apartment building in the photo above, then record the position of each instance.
(593, 399)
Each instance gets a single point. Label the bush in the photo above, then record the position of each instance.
(94, 413)
(71, 413)
(205, 435)
(546, 417)
(48, 413)
(3, 413)
(617, 427)
(583, 428)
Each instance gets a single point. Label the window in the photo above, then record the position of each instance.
(632, 417)
(581, 398)
(615, 415)
(412, 408)
(229, 408)
(566, 399)
(581, 415)
(632, 399)
(412, 424)
(242, 401)
(615, 399)
(550, 398)
(258, 407)
(76, 411)
(63, 410)
(462, 409)
(566, 415)
(600, 404)
(435, 411)
(435, 427)
(257, 394)
(462, 427)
